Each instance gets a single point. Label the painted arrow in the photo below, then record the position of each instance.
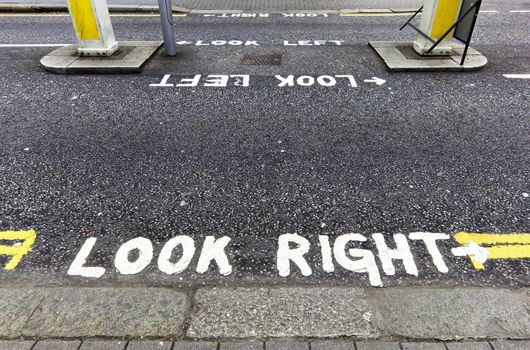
(481, 247)
(376, 80)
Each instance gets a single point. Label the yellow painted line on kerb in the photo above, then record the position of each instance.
(376, 14)
(22, 243)
(67, 15)
(499, 246)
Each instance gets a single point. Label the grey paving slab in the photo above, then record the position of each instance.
(377, 345)
(195, 345)
(94, 344)
(423, 346)
(151, 345)
(468, 346)
(511, 344)
(16, 344)
(332, 345)
(241, 345)
(454, 313)
(281, 312)
(57, 345)
(16, 306)
(109, 312)
(286, 345)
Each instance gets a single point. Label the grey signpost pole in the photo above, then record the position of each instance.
(166, 18)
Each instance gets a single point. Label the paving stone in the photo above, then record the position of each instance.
(423, 346)
(93, 344)
(241, 345)
(377, 345)
(16, 344)
(286, 345)
(194, 345)
(511, 344)
(109, 312)
(16, 306)
(332, 345)
(57, 345)
(451, 314)
(468, 346)
(151, 345)
(282, 312)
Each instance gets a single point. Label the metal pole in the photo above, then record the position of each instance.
(166, 16)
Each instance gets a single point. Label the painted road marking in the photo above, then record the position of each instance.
(367, 254)
(265, 15)
(22, 243)
(520, 11)
(517, 76)
(32, 45)
(255, 43)
(498, 246)
(376, 80)
(243, 80)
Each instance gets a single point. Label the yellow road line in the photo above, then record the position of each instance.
(492, 238)
(16, 251)
(499, 246)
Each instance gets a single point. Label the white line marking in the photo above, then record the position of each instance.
(517, 76)
(32, 45)
(376, 80)
(520, 11)
(489, 11)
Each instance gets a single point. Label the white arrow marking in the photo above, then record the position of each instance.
(183, 43)
(376, 80)
(478, 253)
(517, 76)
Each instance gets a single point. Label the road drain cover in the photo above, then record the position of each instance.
(267, 59)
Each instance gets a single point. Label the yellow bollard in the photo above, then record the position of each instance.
(437, 16)
(93, 27)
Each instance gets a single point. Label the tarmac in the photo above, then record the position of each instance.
(472, 157)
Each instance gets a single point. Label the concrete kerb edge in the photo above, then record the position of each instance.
(521, 298)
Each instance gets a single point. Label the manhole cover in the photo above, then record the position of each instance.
(265, 59)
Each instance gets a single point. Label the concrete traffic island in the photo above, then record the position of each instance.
(401, 57)
(129, 58)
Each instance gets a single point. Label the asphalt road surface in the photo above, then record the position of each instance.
(318, 146)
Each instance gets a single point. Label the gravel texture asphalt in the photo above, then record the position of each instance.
(113, 158)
